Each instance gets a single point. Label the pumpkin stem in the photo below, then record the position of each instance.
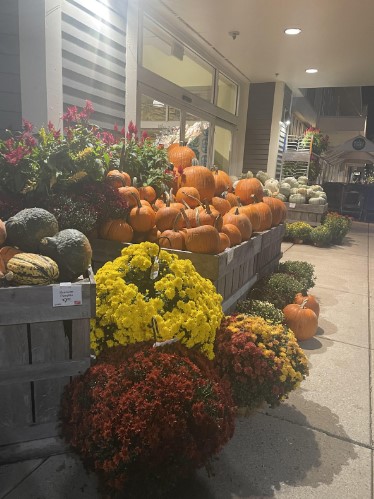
(137, 199)
(192, 197)
(217, 219)
(188, 225)
(175, 222)
(197, 215)
(302, 305)
(207, 206)
(158, 239)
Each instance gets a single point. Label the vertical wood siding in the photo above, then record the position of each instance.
(94, 57)
(10, 83)
(259, 118)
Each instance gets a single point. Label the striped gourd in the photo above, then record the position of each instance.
(29, 268)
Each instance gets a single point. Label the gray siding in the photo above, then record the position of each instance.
(94, 57)
(259, 118)
(10, 84)
(283, 130)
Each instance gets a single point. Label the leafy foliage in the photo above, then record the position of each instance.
(263, 309)
(300, 270)
(278, 289)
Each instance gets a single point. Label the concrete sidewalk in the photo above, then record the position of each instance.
(319, 444)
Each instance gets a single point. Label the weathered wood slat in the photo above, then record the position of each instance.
(48, 370)
(28, 304)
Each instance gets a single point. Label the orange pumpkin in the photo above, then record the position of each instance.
(231, 198)
(302, 321)
(221, 205)
(209, 216)
(224, 242)
(127, 194)
(311, 302)
(141, 217)
(166, 216)
(189, 195)
(249, 190)
(241, 221)
(250, 210)
(2, 232)
(118, 179)
(116, 230)
(233, 234)
(181, 156)
(278, 209)
(222, 181)
(201, 178)
(173, 238)
(203, 239)
(148, 193)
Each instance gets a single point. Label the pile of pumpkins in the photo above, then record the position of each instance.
(302, 316)
(34, 251)
(292, 190)
(201, 213)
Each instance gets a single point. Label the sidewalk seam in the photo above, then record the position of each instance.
(320, 430)
(24, 478)
(370, 364)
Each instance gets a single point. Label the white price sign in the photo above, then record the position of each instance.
(66, 294)
(292, 205)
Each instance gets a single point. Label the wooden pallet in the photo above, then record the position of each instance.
(41, 348)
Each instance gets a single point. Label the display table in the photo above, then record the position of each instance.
(233, 272)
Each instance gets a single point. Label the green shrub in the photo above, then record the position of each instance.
(278, 289)
(263, 309)
(298, 230)
(300, 270)
(338, 226)
(321, 236)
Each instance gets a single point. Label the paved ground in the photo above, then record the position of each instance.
(317, 445)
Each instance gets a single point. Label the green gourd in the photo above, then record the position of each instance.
(297, 199)
(27, 227)
(71, 250)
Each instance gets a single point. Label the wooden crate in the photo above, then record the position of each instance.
(270, 253)
(310, 213)
(41, 348)
(232, 272)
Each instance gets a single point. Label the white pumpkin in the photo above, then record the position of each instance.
(310, 193)
(303, 180)
(262, 177)
(294, 190)
(318, 200)
(316, 188)
(302, 191)
(272, 185)
(284, 189)
(292, 181)
(297, 199)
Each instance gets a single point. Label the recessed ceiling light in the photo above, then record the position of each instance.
(311, 70)
(292, 31)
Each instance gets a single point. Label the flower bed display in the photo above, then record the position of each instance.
(41, 347)
(146, 284)
(172, 414)
(262, 361)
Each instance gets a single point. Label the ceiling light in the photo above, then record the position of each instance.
(292, 31)
(311, 70)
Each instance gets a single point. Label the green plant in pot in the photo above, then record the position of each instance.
(321, 236)
(278, 289)
(300, 270)
(298, 232)
(258, 308)
(338, 226)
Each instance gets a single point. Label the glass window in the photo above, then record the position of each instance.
(227, 94)
(167, 57)
(222, 147)
(196, 135)
(160, 121)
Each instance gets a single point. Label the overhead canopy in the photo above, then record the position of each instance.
(358, 150)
